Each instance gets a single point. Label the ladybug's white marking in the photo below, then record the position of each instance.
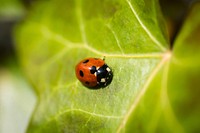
(108, 69)
(95, 74)
(103, 80)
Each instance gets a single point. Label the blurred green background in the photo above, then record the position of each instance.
(17, 99)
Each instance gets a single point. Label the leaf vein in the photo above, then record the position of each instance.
(92, 113)
(145, 28)
(60, 39)
(81, 22)
(116, 38)
(143, 90)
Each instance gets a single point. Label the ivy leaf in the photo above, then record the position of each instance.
(170, 102)
(150, 84)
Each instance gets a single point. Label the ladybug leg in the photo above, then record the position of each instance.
(93, 70)
(104, 58)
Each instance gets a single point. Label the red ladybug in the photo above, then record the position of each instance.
(94, 73)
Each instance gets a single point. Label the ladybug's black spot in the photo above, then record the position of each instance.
(96, 58)
(86, 61)
(93, 70)
(87, 82)
(81, 73)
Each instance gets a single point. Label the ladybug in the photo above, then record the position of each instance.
(94, 73)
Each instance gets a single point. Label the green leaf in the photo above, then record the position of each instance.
(150, 84)
(170, 102)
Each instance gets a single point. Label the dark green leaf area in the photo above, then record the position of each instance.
(184, 96)
(187, 48)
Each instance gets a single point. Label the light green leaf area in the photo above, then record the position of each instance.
(131, 36)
